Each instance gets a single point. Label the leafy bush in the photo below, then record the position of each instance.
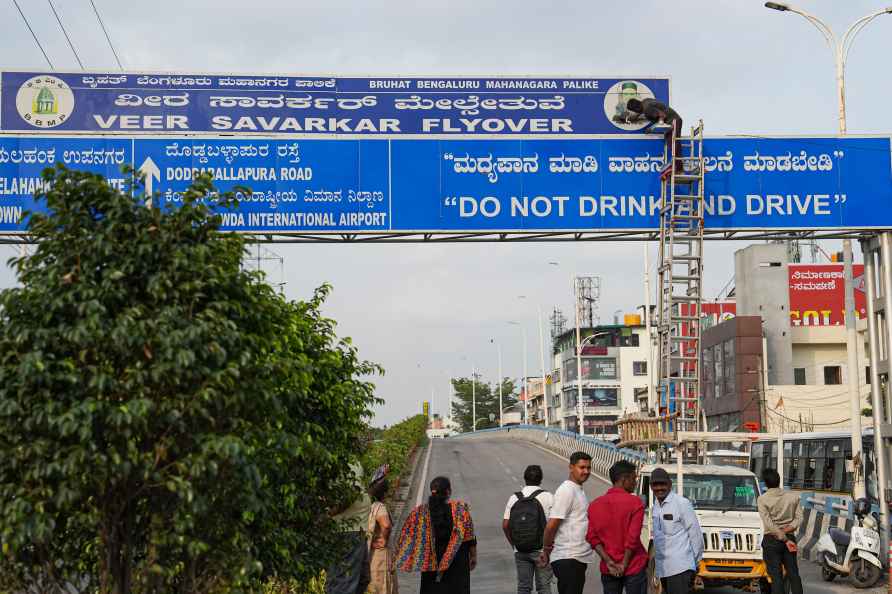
(395, 447)
(168, 422)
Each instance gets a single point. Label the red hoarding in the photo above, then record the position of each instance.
(817, 294)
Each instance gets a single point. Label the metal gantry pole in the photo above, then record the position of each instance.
(859, 487)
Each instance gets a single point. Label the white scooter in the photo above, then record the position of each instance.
(856, 555)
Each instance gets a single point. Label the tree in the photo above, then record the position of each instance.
(487, 398)
(168, 422)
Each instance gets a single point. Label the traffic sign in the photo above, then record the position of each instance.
(132, 103)
(476, 185)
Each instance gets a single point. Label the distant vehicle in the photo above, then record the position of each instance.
(819, 461)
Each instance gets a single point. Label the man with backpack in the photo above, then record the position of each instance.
(524, 526)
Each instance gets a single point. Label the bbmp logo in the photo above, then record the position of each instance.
(45, 101)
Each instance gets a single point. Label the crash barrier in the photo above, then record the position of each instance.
(820, 513)
(604, 454)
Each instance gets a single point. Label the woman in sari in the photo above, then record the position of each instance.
(438, 540)
(381, 566)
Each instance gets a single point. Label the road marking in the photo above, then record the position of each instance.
(421, 486)
(564, 459)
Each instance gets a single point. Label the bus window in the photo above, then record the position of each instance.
(756, 463)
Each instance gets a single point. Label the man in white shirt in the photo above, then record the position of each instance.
(565, 546)
(678, 540)
(525, 529)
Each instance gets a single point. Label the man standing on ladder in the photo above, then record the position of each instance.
(655, 112)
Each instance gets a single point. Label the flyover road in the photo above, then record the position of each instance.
(485, 473)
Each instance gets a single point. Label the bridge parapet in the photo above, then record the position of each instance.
(604, 454)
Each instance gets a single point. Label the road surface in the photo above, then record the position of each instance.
(486, 472)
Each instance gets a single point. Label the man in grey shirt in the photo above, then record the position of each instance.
(781, 516)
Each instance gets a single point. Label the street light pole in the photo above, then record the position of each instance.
(840, 51)
(542, 361)
(580, 411)
(501, 406)
(474, 397)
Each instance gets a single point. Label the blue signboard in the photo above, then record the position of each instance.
(127, 103)
(467, 185)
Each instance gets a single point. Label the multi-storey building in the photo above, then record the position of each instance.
(612, 367)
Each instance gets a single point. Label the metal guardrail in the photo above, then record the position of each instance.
(833, 505)
(604, 454)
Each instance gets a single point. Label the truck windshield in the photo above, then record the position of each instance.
(724, 492)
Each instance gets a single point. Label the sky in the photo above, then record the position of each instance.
(430, 312)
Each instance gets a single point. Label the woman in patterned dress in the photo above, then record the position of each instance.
(438, 540)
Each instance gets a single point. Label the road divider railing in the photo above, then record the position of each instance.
(563, 443)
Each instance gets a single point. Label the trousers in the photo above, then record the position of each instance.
(633, 584)
(570, 575)
(527, 570)
(775, 554)
(679, 583)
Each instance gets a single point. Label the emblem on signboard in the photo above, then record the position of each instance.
(45, 101)
(617, 97)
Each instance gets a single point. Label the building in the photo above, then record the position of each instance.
(613, 365)
(801, 335)
(732, 375)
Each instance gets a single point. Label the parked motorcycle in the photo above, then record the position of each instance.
(856, 555)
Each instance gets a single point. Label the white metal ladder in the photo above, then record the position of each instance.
(681, 283)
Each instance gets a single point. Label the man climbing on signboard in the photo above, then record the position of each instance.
(655, 112)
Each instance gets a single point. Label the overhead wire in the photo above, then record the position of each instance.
(64, 32)
(107, 38)
(34, 35)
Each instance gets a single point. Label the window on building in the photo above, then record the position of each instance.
(832, 375)
(867, 375)
(639, 367)
(799, 376)
(730, 372)
(719, 370)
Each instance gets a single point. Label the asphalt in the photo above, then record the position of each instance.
(485, 473)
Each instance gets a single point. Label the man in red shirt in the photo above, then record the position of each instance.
(614, 531)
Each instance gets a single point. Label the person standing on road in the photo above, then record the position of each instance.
(526, 514)
(382, 571)
(438, 540)
(781, 516)
(564, 545)
(678, 539)
(350, 575)
(614, 532)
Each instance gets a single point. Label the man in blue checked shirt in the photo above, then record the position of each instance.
(678, 540)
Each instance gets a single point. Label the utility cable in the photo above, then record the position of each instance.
(34, 35)
(64, 32)
(107, 38)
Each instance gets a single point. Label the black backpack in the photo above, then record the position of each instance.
(527, 522)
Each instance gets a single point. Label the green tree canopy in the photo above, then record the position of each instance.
(487, 397)
(168, 422)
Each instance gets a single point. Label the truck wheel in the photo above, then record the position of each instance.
(864, 573)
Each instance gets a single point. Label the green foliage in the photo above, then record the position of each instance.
(168, 422)
(395, 446)
(487, 398)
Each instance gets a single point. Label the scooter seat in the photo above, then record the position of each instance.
(840, 537)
